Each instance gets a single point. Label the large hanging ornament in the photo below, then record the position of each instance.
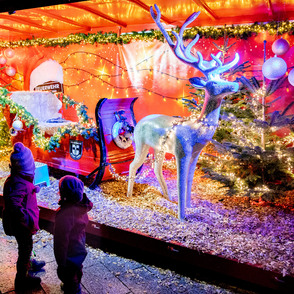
(9, 53)
(274, 68)
(280, 46)
(291, 77)
(10, 71)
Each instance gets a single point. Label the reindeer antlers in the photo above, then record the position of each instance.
(211, 69)
(156, 17)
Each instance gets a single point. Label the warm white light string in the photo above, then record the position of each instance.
(145, 173)
(177, 121)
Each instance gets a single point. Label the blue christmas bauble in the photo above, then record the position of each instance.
(274, 68)
(280, 46)
(291, 77)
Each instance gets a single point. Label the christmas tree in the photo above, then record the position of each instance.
(247, 154)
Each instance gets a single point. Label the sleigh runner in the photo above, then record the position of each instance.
(95, 157)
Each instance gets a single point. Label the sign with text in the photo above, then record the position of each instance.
(50, 86)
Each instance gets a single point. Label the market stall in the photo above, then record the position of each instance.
(217, 93)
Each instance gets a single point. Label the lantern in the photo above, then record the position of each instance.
(274, 68)
(280, 46)
(9, 53)
(10, 71)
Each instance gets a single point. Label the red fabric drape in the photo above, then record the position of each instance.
(148, 70)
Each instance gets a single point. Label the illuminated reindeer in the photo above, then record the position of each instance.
(185, 138)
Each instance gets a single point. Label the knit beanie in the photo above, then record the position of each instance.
(22, 160)
(71, 189)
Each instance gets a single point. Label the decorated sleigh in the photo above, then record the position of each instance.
(97, 150)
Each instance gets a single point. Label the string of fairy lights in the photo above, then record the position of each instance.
(105, 78)
(108, 77)
(239, 32)
(213, 32)
(248, 135)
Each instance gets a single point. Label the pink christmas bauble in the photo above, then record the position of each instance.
(9, 53)
(291, 77)
(10, 71)
(3, 60)
(280, 46)
(274, 68)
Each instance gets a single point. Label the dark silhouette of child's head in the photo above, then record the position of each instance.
(71, 189)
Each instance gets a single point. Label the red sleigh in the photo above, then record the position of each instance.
(95, 158)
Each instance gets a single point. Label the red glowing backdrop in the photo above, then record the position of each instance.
(144, 69)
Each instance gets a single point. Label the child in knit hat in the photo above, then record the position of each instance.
(21, 213)
(70, 233)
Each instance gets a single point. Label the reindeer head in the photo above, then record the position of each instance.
(214, 85)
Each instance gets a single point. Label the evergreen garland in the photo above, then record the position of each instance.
(233, 31)
(85, 127)
(4, 131)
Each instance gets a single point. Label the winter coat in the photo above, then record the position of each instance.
(70, 232)
(20, 204)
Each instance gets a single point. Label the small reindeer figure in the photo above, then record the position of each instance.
(185, 138)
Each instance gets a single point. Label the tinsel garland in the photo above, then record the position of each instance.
(85, 127)
(233, 31)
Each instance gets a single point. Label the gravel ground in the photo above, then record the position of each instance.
(230, 227)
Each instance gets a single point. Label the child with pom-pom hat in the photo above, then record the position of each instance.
(70, 233)
(21, 213)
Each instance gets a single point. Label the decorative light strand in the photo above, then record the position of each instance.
(233, 31)
(108, 76)
(140, 176)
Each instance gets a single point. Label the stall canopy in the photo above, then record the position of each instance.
(37, 19)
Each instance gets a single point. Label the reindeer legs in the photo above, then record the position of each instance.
(192, 167)
(158, 172)
(140, 156)
(182, 170)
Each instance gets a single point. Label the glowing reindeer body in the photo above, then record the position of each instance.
(185, 138)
